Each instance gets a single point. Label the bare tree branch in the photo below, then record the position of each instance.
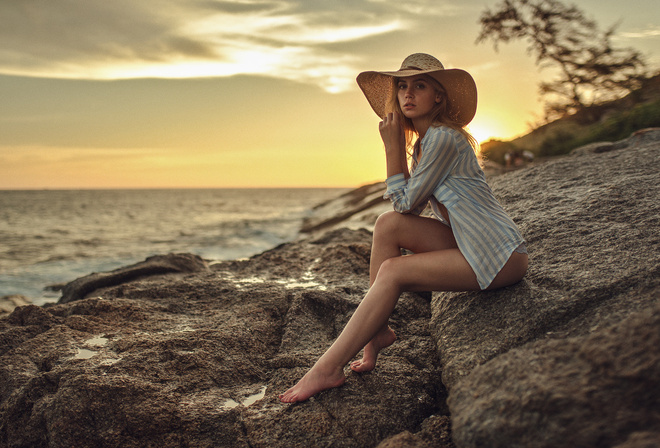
(591, 71)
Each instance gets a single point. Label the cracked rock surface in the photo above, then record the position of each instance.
(199, 359)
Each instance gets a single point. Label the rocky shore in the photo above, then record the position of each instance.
(180, 352)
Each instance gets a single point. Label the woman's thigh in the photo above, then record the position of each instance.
(445, 270)
(436, 263)
(439, 270)
(415, 233)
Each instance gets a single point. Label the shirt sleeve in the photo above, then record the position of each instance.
(438, 158)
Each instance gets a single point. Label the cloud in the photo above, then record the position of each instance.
(645, 34)
(121, 39)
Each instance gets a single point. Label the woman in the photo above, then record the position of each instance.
(468, 243)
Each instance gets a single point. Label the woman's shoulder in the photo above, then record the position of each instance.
(443, 129)
(447, 133)
(440, 133)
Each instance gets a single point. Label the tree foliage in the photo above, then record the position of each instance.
(591, 71)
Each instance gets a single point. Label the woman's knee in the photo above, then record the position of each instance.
(387, 223)
(389, 272)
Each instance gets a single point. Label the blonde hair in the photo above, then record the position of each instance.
(441, 114)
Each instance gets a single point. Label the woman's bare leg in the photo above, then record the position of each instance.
(391, 234)
(328, 371)
(438, 270)
(374, 311)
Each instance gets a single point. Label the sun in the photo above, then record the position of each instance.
(481, 132)
(488, 127)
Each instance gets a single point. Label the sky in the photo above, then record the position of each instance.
(247, 93)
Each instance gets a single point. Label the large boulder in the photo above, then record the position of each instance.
(569, 356)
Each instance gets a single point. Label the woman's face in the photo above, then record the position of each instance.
(417, 97)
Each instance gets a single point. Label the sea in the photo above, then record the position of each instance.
(51, 237)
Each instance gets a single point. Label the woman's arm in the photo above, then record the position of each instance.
(438, 157)
(404, 161)
(391, 131)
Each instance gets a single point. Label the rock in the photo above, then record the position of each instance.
(597, 147)
(585, 389)
(435, 433)
(177, 352)
(354, 209)
(199, 360)
(642, 439)
(641, 138)
(9, 303)
(515, 360)
(404, 440)
(159, 264)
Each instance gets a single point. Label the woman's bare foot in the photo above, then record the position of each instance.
(383, 339)
(312, 383)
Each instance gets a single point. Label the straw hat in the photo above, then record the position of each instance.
(460, 87)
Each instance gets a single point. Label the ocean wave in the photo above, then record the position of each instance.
(56, 236)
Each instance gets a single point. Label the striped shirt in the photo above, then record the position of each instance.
(448, 173)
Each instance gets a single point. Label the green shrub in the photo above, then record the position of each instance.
(625, 123)
(562, 142)
(615, 128)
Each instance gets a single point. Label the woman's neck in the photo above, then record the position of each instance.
(421, 126)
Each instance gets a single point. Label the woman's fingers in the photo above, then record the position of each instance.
(391, 118)
(391, 132)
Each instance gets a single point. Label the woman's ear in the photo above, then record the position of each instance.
(438, 98)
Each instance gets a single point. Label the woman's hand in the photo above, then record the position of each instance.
(391, 131)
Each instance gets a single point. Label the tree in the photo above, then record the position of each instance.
(591, 71)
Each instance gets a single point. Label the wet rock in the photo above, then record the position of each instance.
(198, 360)
(159, 264)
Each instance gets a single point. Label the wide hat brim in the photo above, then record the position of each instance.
(459, 84)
